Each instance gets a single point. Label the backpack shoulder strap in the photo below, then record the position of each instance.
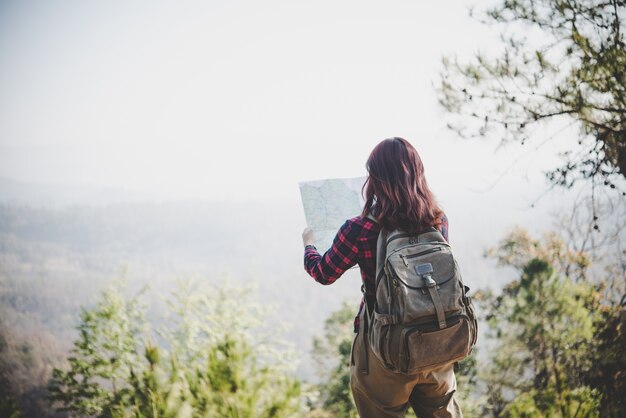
(431, 234)
(381, 250)
(367, 311)
(381, 254)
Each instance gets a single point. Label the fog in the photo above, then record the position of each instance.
(168, 140)
(62, 245)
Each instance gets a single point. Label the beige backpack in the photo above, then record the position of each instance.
(423, 318)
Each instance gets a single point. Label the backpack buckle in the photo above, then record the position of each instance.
(429, 281)
(425, 270)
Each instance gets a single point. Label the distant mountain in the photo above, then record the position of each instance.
(60, 244)
(56, 196)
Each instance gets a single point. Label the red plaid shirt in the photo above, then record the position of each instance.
(355, 243)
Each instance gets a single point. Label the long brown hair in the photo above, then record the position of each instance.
(396, 192)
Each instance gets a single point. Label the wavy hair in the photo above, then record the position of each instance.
(396, 192)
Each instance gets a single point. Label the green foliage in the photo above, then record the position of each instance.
(467, 380)
(545, 326)
(560, 60)
(584, 402)
(332, 354)
(103, 356)
(518, 248)
(609, 360)
(206, 365)
(9, 408)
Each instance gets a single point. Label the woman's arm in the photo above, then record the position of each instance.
(340, 257)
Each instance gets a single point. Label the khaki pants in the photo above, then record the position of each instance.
(382, 393)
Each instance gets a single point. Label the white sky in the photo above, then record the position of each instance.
(237, 99)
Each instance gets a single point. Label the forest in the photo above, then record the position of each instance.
(179, 309)
(76, 343)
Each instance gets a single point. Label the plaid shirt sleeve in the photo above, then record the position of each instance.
(340, 257)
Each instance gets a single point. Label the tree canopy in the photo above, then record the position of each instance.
(214, 360)
(560, 60)
(559, 347)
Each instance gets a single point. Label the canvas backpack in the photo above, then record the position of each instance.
(422, 318)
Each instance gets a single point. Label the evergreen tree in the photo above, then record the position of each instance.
(332, 353)
(102, 358)
(206, 365)
(560, 60)
(544, 326)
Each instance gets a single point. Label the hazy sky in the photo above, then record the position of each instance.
(241, 100)
(231, 99)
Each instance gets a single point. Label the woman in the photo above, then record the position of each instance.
(396, 197)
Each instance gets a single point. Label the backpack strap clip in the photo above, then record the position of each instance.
(425, 270)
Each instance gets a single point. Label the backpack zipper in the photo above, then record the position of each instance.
(439, 243)
(432, 250)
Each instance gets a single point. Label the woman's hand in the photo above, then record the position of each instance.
(308, 236)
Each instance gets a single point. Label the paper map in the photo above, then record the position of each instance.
(328, 204)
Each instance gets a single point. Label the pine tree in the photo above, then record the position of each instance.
(332, 353)
(214, 361)
(559, 61)
(544, 325)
